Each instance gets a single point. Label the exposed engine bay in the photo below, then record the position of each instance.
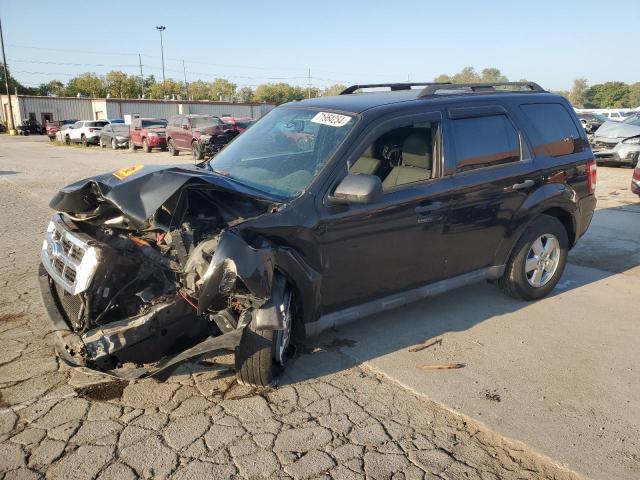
(134, 289)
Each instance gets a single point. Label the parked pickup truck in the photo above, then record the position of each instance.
(400, 195)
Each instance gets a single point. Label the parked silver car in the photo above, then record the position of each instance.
(618, 142)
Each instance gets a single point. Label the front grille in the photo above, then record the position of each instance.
(68, 257)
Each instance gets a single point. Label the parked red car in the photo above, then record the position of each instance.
(148, 133)
(240, 124)
(52, 127)
(202, 135)
(635, 180)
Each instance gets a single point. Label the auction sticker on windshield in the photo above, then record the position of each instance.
(331, 119)
(127, 172)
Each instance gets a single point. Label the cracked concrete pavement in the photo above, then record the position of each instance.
(331, 417)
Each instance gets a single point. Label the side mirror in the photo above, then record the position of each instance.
(185, 127)
(357, 188)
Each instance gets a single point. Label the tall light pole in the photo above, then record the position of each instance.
(11, 125)
(162, 28)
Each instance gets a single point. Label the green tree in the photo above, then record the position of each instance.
(466, 75)
(120, 85)
(634, 95)
(607, 95)
(493, 75)
(223, 87)
(577, 94)
(172, 89)
(333, 90)
(245, 95)
(87, 84)
(200, 90)
(278, 93)
(442, 78)
(54, 87)
(14, 84)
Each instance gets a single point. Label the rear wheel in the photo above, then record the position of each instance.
(114, 145)
(262, 354)
(83, 140)
(537, 261)
(172, 148)
(145, 146)
(67, 140)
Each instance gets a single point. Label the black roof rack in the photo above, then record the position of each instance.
(392, 86)
(433, 89)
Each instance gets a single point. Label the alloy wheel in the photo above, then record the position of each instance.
(542, 260)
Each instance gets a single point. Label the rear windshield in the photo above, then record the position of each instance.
(97, 124)
(205, 122)
(158, 122)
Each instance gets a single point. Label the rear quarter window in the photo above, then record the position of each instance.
(484, 142)
(555, 134)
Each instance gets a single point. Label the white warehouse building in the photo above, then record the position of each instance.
(72, 108)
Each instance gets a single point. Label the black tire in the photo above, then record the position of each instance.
(145, 146)
(515, 281)
(114, 145)
(101, 143)
(83, 141)
(196, 151)
(172, 148)
(132, 146)
(67, 140)
(256, 356)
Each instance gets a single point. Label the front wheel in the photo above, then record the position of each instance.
(196, 151)
(538, 260)
(114, 145)
(172, 148)
(102, 145)
(262, 354)
(145, 146)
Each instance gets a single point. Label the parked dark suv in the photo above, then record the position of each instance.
(391, 197)
(202, 135)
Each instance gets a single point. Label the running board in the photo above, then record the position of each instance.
(351, 314)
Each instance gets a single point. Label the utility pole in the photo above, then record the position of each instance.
(162, 28)
(186, 85)
(141, 77)
(309, 84)
(11, 124)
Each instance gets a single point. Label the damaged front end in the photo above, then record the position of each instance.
(134, 298)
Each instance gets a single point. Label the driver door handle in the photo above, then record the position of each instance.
(430, 207)
(524, 185)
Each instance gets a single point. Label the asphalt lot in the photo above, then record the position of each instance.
(563, 369)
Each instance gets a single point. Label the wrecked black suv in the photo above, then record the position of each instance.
(325, 211)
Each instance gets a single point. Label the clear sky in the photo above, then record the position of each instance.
(347, 41)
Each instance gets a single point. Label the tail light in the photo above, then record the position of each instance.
(91, 130)
(592, 175)
(636, 173)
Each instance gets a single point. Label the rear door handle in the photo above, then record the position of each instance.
(524, 185)
(430, 207)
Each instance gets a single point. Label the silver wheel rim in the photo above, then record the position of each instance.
(284, 336)
(542, 260)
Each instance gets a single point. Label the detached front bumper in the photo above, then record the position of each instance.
(619, 153)
(92, 350)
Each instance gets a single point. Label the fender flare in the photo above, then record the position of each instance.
(550, 196)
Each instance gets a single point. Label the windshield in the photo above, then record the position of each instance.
(205, 122)
(154, 123)
(599, 117)
(244, 123)
(283, 152)
(120, 128)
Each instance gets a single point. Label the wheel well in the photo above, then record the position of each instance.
(565, 219)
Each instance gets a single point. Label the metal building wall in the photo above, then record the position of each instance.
(119, 108)
(60, 108)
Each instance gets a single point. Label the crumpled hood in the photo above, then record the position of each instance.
(139, 191)
(617, 130)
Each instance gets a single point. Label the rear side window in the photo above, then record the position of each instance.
(484, 142)
(555, 133)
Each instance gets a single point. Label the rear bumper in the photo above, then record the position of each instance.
(80, 351)
(586, 208)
